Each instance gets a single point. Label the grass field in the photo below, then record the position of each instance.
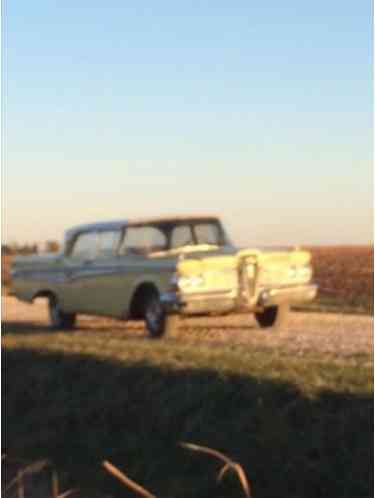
(299, 419)
(345, 275)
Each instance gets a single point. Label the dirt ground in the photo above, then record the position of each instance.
(339, 336)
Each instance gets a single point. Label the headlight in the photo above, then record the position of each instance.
(186, 282)
(307, 271)
(182, 283)
(302, 272)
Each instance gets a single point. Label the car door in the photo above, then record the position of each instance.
(78, 270)
(103, 281)
(134, 264)
(121, 262)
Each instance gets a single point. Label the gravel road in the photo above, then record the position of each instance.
(338, 336)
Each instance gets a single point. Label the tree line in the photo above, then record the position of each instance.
(25, 249)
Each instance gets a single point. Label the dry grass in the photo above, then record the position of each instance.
(229, 464)
(31, 480)
(345, 275)
(19, 478)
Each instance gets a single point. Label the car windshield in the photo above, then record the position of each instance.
(197, 233)
(142, 240)
(208, 233)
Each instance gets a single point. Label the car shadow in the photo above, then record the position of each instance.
(193, 326)
(35, 328)
(24, 327)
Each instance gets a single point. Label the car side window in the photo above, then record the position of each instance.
(181, 236)
(143, 240)
(85, 246)
(108, 242)
(207, 233)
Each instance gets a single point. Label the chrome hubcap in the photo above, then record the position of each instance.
(55, 312)
(154, 314)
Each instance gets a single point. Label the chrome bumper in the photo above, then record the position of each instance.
(208, 302)
(212, 302)
(292, 295)
(171, 302)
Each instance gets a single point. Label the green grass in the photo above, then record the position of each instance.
(300, 427)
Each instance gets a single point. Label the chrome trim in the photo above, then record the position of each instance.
(292, 294)
(170, 302)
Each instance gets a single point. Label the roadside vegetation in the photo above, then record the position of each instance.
(345, 275)
(299, 428)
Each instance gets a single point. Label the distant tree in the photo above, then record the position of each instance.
(52, 246)
(26, 249)
(16, 248)
(6, 250)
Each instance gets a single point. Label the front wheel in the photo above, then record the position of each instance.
(272, 316)
(59, 319)
(158, 322)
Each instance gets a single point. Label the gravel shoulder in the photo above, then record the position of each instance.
(341, 337)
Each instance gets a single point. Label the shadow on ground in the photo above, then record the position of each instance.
(78, 410)
(125, 327)
(24, 327)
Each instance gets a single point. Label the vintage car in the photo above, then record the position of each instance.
(160, 269)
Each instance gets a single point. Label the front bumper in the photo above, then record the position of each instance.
(199, 303)
(171, 302)
(225, 301)
(291, 295)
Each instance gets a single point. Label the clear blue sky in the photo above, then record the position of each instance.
(259, 111)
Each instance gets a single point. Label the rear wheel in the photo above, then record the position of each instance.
(59, 319)
(272, 316)
(158, 322)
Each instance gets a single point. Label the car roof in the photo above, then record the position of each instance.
(118, 224)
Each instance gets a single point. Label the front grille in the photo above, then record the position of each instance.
(246, 279)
